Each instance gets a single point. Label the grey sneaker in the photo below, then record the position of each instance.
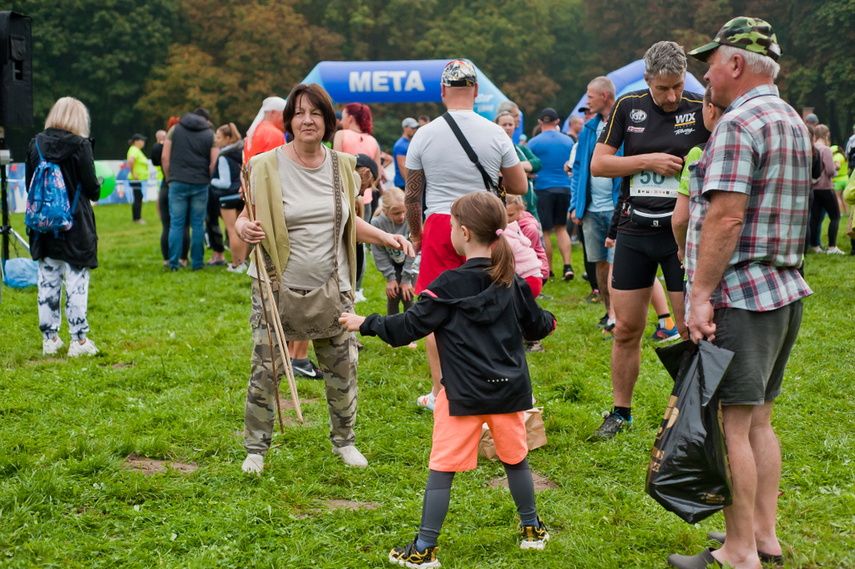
(612, 425)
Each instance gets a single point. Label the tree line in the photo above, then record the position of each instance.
(135, 64)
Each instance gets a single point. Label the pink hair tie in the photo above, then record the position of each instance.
(499, 232)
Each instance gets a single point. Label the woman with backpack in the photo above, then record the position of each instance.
(65, 256)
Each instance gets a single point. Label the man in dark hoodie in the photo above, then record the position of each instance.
(188, 161)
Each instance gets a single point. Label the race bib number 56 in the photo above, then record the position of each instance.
(651, 184)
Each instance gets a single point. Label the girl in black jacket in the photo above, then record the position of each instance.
(480, 313)
(71, 254)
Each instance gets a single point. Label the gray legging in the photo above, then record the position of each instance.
(438, 495)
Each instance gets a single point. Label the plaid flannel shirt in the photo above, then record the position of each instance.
(760, 147)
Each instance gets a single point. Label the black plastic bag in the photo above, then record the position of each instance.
(689, 472)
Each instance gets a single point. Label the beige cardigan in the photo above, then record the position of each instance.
(267, 193)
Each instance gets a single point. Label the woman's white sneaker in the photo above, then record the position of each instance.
(87, 348)
(351, 456)
(51, 347)
(253, 464)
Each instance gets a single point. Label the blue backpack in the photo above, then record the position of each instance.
(48, 207)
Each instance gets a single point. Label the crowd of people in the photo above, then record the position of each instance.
(721, 191)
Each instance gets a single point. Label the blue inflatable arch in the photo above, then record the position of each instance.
(414, 81)
(627, 79)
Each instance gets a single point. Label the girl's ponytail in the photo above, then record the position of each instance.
(502, 258)
(485, 216)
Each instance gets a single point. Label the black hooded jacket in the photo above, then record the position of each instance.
(190, 158)
(79, 245)
(479, 328)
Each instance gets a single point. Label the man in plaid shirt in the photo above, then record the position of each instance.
(748, 218)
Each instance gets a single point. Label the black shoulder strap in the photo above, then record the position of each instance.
(488, 182)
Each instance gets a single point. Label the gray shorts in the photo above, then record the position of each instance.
(761, 343)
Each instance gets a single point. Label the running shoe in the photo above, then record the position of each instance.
(593, 298)
(51, 346)
(663, 335)
(613, 423)
(409, 556)
(534, 537)
(427, 401)
(834, 251)
(568, 273)
(609, 331)
(604, 321)
(816, 249)
(533, 347)
(87, 348)
(238, 269)
(358, 296)
(306, 369)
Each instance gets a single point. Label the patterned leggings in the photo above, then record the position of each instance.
(51, 274)
(337, 357)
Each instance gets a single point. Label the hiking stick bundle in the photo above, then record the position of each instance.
(264, 286)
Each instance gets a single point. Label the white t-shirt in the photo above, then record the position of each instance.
(449, 173)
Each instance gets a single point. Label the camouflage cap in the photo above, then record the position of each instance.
(459, 73)
(751, 34)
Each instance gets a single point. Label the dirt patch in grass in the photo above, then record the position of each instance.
(349, 505)
(286, 404)
(119, 365)
(540, 482)
(137, 463)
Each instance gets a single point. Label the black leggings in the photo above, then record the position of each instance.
(136, 208)
(212, 222)
(163, 206)
(824, 200)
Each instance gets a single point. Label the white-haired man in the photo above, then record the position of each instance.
(748, 218)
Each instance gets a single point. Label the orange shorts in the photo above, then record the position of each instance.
(438, 253)
(455, 439)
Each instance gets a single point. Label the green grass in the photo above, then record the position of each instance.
(170, 384)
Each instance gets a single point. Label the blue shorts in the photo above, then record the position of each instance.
(596, 228)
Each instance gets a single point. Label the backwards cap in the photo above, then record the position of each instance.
(459, 73)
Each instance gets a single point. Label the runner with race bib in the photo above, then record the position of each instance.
(656, 128)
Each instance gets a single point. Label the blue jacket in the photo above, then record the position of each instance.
(582, 168)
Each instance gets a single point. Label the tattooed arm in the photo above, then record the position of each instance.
(413, 203)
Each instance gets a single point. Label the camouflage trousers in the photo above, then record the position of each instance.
(337, 357)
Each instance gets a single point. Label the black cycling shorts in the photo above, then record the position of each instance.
(638, 256)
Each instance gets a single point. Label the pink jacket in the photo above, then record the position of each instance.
(526, 262)
(531, 229)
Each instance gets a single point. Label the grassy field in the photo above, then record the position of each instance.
(170, 384)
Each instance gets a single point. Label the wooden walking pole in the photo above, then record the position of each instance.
(264, 286)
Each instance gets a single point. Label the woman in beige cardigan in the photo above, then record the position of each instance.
(298, 191)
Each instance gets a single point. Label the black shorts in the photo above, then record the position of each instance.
(638, 256)
(552, 209)
(234, 202)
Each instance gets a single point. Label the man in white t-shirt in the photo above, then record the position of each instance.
(439, 171)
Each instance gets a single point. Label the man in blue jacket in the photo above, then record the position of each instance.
(593, 199)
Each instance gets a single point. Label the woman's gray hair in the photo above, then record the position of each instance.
(506, 106)
(665, 57)
(757, 63)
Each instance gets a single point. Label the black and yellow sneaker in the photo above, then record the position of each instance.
(409, 556)
(534, 537)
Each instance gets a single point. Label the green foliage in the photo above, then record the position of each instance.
(170, 383)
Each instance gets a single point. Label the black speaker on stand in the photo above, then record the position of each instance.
(16, 98)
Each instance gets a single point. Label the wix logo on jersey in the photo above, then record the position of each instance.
(683, 120)
(637, 115)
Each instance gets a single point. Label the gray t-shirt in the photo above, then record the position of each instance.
(307, 201)
(448, 172)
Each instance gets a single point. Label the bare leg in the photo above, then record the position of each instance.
(565, 246)
(604, 282)
(237, 247)
(678, 303)
(299, 350)
(740, 549)
(630, 308)
(659, 300)
(547, 246)
(433, 362)
(767, 458)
